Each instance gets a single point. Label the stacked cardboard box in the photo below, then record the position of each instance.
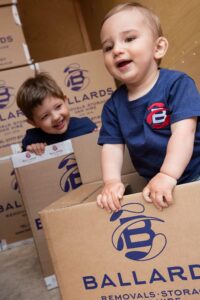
(13, 48)
(15, 67)
(14, 223)
(13, 219)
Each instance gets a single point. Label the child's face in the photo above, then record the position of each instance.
(129, 46)
(52, 116)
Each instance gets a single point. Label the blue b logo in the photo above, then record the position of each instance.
(71, 179)
(135, 234)
(76, 79)
(5, 95)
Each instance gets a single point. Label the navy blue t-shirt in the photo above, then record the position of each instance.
(76, 127)
(144, 124)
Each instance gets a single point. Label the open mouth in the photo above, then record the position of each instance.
(59, 125)
(123, 63)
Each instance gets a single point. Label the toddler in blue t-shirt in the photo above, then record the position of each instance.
(155, 112)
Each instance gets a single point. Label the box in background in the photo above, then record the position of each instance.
(13, 123)
(135, 253)
(7, 2)
(84, 80)
(13, 48)
(14, 224)
(42, 180)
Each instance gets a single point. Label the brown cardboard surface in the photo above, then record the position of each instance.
(88, 154)
(14, 224)
(12, 121)
(42, 180)
(85, 81)
(13, 49)
(137, 253)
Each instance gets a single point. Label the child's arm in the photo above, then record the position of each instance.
(37, 148)
(179, 152)
(111, 162)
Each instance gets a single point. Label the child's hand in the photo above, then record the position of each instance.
(111, 195)
(38, 148)
(159, 190)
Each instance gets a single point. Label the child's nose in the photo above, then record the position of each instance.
(117, 49)
(55, 116)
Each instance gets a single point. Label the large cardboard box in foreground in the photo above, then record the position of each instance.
(12, 121)
(13, 48)
(84, 80)
(135, 253)
(14, 224)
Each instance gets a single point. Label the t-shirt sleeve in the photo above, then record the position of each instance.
(110, 132)
(32, 136)
(184, 99)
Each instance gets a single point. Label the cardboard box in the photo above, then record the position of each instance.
(44, 179)
(136, 253)
(14, 224)
(13, 48)
(7, 2)
(85, 81)
(12, 121)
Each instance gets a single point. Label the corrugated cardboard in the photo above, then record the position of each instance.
(12, 121)
(85, 81)
(137, 253)
(89, 154)
(14, 224)
(13, 48)
(42, 180)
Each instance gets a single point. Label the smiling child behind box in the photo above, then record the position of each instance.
(44, 104)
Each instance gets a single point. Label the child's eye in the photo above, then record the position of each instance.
(59, 106)
(130, 39)
(44, 117)
(107, 48)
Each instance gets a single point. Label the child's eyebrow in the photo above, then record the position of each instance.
(122, 34)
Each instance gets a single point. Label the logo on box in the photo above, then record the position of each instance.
(70, 179)
(76, 78)
(6, 96)
(135, 234)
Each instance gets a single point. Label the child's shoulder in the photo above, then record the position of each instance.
(172, 74)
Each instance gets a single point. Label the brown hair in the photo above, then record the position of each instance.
(152, 18)
(34, 90)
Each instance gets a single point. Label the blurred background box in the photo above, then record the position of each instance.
(13, 123)
(13, 48)
(14, 224)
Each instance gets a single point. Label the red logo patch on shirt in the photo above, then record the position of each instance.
(157, 116)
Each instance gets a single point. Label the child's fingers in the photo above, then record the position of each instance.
(121, 192)
(146, 194)
(99, 198)
(168, 198)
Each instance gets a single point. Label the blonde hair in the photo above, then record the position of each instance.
(151, 17)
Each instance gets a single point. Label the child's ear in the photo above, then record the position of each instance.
(160, 47)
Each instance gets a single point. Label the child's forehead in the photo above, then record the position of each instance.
(130, 17)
